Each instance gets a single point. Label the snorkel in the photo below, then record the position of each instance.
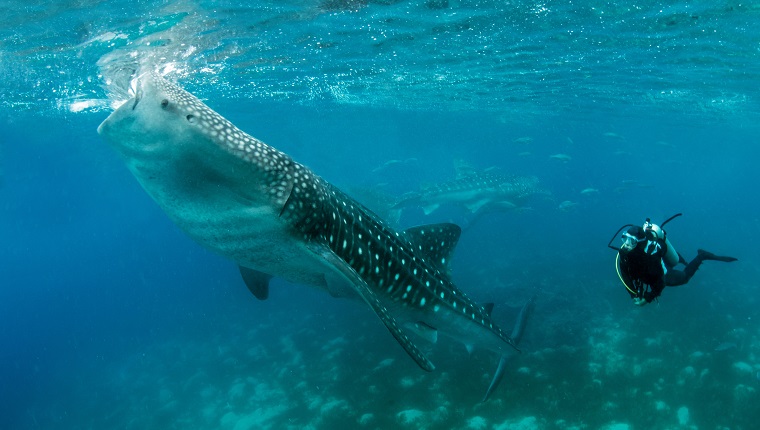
(609, 244)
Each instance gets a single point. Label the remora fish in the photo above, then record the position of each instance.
(476, 192)
(517, 333)
(274, 217)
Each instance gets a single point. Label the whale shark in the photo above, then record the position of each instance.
(274, 217)
(476, 191)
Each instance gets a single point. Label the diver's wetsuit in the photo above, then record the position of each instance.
(645, 273)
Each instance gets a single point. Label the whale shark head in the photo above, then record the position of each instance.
(226, 189)
(171, 141)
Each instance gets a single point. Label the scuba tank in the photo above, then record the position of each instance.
(655, 232)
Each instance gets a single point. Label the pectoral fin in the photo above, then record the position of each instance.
(428, 209)
(257, 282)
(475, 206)
(369, 296)
(425, 331)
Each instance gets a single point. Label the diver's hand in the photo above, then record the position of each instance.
(638, 301)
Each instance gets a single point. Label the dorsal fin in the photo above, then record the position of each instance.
(436, 242)
(488, 308)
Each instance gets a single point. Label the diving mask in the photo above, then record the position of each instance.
(629, 242)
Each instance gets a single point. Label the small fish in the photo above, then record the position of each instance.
(628, 184)
(393, 163)
(523, 140)
(567, 206)
(561, 157)
(587, 191)
(725, 346)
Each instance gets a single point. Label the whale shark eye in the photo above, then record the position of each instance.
(190, 118)
(164, 103)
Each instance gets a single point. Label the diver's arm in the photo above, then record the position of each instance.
(630, 285)
(655, 290)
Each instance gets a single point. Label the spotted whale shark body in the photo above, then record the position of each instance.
(274, 217)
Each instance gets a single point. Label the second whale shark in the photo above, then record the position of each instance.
(478, 192)
(273, 216)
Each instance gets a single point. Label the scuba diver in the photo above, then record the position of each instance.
(646, 261)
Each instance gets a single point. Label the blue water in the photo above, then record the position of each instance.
(111, 318)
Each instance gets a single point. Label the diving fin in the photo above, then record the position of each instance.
(710, 256)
